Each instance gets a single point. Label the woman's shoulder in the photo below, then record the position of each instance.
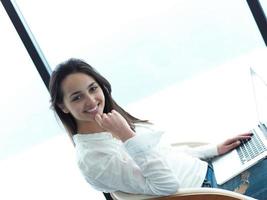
(148, 127)
(91, 137)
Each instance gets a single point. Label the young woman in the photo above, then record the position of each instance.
(118, 152)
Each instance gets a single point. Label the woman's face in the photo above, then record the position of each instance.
(83, 98)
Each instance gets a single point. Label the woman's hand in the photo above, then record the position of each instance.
(232, 143)
(115, 124)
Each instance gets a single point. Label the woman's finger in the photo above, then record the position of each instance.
(246, 134)
(98, 119)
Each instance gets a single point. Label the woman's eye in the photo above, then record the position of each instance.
(94, 88)
(76, 98)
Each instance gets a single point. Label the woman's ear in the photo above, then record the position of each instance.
(63, 108)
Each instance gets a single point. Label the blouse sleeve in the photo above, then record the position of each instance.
(150, 174)
(204, 152)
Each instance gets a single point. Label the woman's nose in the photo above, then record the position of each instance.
(89, 99)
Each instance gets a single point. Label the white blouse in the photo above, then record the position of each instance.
(140, 165)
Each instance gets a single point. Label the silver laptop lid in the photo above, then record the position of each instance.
(259, 88)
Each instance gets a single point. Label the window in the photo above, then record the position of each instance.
(143, 46)
(36, 158)
(263, 5)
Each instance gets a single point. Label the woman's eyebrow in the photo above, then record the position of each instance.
(74, 93)
(77, 92)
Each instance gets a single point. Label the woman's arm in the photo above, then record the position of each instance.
(144, 172)
(211, 150)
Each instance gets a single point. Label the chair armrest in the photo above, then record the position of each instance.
(186, 194)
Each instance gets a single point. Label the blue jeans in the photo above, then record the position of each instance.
(252, 182)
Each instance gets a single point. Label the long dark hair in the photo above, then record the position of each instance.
(72, 66)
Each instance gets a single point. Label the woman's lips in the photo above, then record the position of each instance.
(92, 110)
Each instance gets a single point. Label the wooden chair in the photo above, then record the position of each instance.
(186, 194)
(189, 193)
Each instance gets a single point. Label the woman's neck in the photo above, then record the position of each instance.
(86, 128)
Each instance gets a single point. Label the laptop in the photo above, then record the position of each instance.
(249, 152)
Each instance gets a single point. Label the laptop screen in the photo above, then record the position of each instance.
(259, 86)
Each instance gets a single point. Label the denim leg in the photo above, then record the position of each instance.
(252, 182)
(210, 180)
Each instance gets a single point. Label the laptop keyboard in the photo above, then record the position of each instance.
(249, 149)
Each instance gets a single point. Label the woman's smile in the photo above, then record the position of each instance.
(93, 110)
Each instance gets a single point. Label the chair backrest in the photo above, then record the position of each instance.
(198, 197)
(187, 194)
